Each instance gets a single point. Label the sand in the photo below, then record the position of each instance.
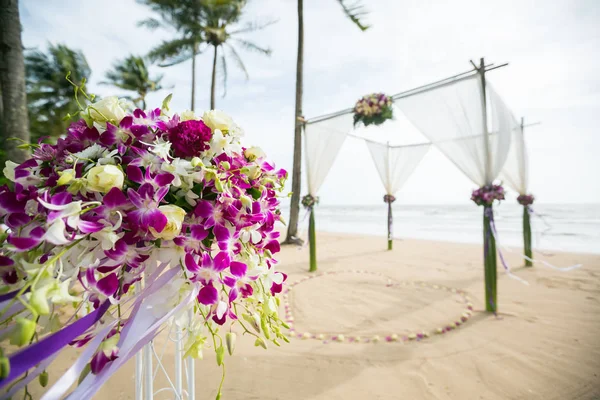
(544, 344)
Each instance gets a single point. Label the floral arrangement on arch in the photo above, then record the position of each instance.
(525, 199)
(486, 195)
(373, 109)
(138, 214)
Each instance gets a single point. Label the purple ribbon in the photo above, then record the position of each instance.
(27, 358)
(9, 296)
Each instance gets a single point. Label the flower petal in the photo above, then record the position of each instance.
(108, 285)
(238, 269)
(208, 295)
(221, 261)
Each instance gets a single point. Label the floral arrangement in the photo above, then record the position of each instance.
(485, 195)
(158, 214)
(389, 198)
(375, 108)
(525, 199)
(309, 201)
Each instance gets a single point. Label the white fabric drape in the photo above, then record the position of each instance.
(516, 169)
(396, 164)
(322, 143)
(451, 117)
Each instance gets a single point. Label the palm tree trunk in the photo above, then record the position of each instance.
(12, 82)
(297, 167)
(213, 83)
(193, 76)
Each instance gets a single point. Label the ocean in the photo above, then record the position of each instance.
(570, 228)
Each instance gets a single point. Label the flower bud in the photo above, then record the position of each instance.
(23, 332)
(220, 354)
(108, 109)
(196, 162)
(43, 378)
(260, 342)
(39, 300)
(102, 178)
(4, 367)
(66, 176)
(265, 327)
(216, 119)
(230, 338)
(254, 153)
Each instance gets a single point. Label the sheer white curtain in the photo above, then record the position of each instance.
(451, 117)
(516, 170)
(322, 143)
(396, 164)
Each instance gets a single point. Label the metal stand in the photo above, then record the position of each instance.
(145, 373)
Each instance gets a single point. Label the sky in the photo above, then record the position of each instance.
(552, 78)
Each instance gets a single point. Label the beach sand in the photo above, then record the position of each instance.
(544, 344)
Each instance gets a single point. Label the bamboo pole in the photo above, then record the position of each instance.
(489, 256)
(312, 240)
(526, 217)
(527, 237)
(390, 226)
(489, 243)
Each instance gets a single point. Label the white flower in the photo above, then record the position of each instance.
(9, 170)
(110, 108)
(102, 178)
(175, 216)
(220, 144)
(216, 119)
(178, 168)
(160, 147)
(91, 153)
(250, 234)
(187, 115)
(254, 153)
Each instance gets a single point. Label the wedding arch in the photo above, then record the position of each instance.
(462, 116)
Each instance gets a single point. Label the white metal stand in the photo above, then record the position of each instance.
(145, 374)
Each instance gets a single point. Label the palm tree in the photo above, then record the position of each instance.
(183, 16)
(201, 24)
(355, 12)
(217, 35)
(132, 74)
(49, 94)
(13, 113)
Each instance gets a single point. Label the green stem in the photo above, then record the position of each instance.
(312, 240)
(527, 236)
(489, 253)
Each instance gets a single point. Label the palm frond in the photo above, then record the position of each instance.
(150, 23)
(238, 60)
(355, 12)
(223, 73)
(253, 47)
(173, 49)
(254, 26)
